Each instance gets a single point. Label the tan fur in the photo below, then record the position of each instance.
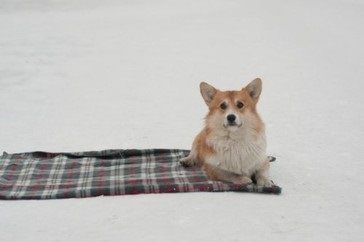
(232, 150)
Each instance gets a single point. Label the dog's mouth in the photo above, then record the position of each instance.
(232, 125)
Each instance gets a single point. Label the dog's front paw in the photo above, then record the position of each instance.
(262, 181)
(187, 162)
(242, 180)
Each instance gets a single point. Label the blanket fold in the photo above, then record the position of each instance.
(44, 175)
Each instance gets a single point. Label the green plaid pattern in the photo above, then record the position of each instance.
(41, 175)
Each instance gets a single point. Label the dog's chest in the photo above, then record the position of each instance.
(242, 156)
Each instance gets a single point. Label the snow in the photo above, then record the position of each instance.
(91, 75)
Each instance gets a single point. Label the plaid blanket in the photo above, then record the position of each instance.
(41, 175)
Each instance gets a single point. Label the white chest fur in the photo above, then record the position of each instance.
(241, 153)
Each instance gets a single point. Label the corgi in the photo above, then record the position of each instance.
(232, 145)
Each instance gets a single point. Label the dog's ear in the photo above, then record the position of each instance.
(208, 92)
(255, 89)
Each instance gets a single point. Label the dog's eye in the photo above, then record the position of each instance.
(240, 104)
(223, 106)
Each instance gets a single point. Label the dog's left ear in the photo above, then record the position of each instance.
(255, 89)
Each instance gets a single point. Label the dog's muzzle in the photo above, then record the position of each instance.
(232, 121)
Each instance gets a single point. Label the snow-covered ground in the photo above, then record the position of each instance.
(91, 75)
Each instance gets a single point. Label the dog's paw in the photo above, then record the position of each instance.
(187, 162)
(242, 180)
(262, 181)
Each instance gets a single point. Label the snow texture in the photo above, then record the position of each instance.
(91, 75)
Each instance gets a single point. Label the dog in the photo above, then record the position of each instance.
(232, 145)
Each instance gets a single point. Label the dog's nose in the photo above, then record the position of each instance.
(231, 118)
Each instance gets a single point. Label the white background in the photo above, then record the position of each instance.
(92, 75)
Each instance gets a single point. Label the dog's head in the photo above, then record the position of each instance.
(232, 109)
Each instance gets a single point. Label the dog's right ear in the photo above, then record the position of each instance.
(208, 92)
